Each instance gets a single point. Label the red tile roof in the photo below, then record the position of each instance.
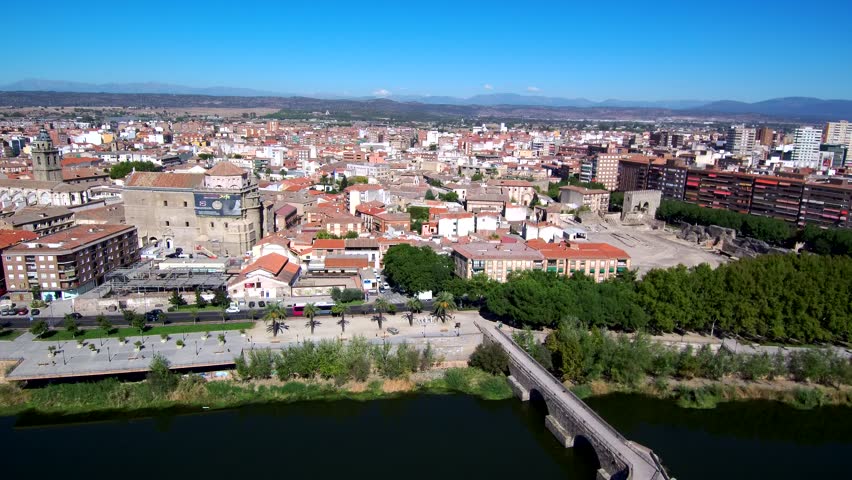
(13, 237)
(164, 180)
(329, 244)
(578, 250)
(272, 263)
(226, 169)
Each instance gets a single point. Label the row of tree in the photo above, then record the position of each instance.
(578, 355)
(834, 241)
(789, 298)
(336, 360)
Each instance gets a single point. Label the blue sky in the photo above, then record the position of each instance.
(740, 50)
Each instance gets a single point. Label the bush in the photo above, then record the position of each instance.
(161, 380)
(807, 398)
(490, 357)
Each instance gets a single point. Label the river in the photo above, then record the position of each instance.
(425, 437)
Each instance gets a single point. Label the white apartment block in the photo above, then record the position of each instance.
(806, 147)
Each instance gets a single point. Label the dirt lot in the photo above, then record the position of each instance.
(652, 248)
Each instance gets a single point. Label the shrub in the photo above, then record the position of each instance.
(490, 357)
(807, 398)
(161, 380)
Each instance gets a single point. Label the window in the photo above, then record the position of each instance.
(226, 224)
(52, 275)
(211, 224)
(53, 284)
(41, 258)
(185, 204)
(9, 267)
(165, 203)
(167, 223)
(49, 257)
(44, 284)
(187, 223)
(20, 267)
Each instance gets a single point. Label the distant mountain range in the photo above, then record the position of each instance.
(525, 106)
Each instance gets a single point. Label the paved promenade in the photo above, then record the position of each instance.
(110, 357)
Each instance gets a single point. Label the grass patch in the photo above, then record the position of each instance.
(582, 390)
(10, 334)
(190, 308)
(93, 333)
(471, 381)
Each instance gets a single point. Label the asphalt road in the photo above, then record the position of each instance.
(23, 321)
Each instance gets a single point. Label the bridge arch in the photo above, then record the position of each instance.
(570, 420)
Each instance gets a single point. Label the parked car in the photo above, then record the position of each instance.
(22, 310)
(152, 315)
(35, 311)
(76, 315)
(393, 330)
(251, 305)
(7, 311)
(261, 304)
(232, 309)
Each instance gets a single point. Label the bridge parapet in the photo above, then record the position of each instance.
(569, 417)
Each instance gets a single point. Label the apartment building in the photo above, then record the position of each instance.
(806, 147)
(42, 221)
(70, 262)
(362, 193)
(601, 261)
(10, 238)
(602, 168)
(455, 225)
(595, 200)
(826, 204)
(495, 260)
(719, 189)
(740, 140)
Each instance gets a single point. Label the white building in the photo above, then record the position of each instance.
(806, 147)
(455, 224)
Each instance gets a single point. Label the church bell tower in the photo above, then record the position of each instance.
(46, 166)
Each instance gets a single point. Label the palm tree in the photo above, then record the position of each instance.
(414, 307)
(444, 305)
(382, 306)
(310, 311)
(341, 309)
(274, 318)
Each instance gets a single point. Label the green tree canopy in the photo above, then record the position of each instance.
(414, 269)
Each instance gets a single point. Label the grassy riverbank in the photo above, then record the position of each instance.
(707, 394)
(110, 396)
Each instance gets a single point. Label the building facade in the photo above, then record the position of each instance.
(70, 262)
(219, 211)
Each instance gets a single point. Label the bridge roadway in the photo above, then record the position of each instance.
(569, 417)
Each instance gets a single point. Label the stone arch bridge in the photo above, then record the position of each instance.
(569, 417)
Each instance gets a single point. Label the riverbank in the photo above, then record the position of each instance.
(107, 397)
(707, 394)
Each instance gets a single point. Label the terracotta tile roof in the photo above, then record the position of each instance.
(13, 237)
(272, 263)
(75, 237)
(164, 180)
(226, 169)
(83, 172)
(578, 250)
(347, 261)
(329, 244)
(363, 187)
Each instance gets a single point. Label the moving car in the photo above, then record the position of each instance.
(232, 309)
(393, 330)
(151, 316)
(76, 315)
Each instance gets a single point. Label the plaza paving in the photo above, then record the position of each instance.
(109, 357)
